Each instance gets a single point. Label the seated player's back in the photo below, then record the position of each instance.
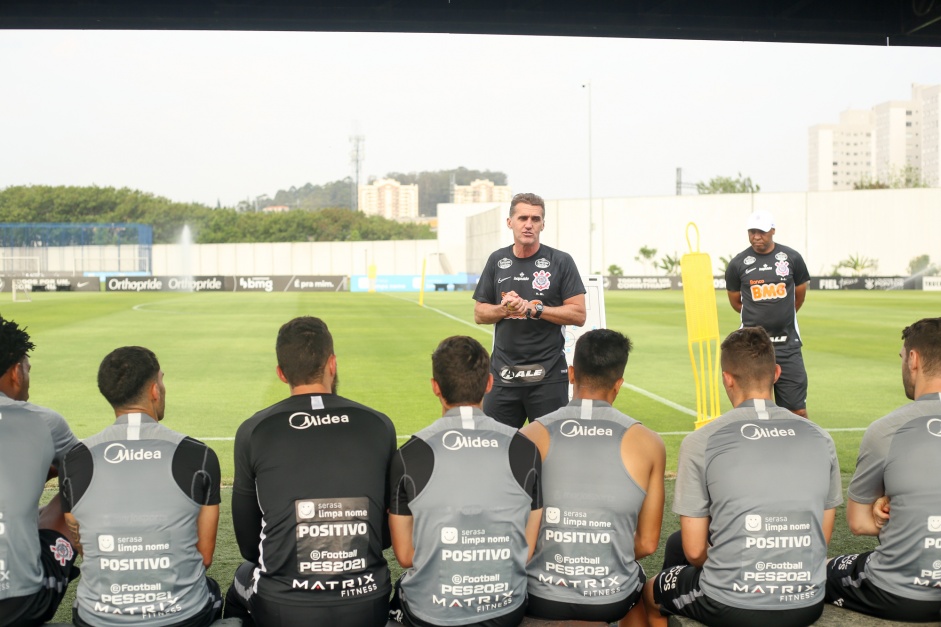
(768, 474)
(591, 509)
(27, 449)
(319, 466)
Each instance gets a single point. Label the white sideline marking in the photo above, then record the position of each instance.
(443, 313)
(634, 388)
(660, 399)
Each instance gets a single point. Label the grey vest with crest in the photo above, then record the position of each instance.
(585, 551)
(469, 525)
(138, 531)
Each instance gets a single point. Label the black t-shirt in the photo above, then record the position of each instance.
(767, 285)
(413, 464)
(526, 351)
(310, 497)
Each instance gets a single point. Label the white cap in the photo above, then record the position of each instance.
(761, 220)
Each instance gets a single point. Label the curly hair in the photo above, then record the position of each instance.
(14, 344)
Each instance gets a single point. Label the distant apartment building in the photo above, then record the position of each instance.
(390, 199)
(878, 144)
(481, 190)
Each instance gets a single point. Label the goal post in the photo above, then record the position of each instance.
(22, 290)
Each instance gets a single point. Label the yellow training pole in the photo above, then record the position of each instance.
(702, 327)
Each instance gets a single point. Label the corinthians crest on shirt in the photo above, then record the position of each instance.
(541, 280)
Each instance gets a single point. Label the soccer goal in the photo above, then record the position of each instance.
(22, 290)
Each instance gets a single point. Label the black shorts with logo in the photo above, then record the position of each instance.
(848, 587)
(790, 390)
(57, 557)
(209, 614)
(242, 602)
(676, 590)
(512, 405)
(607, 613)
(399, 612)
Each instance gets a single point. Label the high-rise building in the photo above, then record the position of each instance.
(390, 199)
(481, 190)
(841, 154)
(881, 144)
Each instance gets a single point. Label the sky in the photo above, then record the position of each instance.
(227, 116)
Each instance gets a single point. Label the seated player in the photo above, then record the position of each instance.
(602, 487)
(895, 494)
(756, 491)
(465, 504)
(36, 557)
(145, 500)
(310, 497)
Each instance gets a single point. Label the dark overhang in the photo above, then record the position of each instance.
(870, 22)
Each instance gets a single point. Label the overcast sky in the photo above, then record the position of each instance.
(201, 116)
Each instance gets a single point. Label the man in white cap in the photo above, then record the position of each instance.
(767, 283)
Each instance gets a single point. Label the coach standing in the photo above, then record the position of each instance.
(767, 283)
(530, 292)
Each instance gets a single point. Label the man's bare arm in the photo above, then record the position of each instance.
(735, 299)
(861, 519)
(485, 313)
(571, 311)
(695, 535)
(647, 535)
(402, 545)
(799, 293)
(207, 525)
(74, 536)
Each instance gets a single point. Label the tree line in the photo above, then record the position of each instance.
(64, 204)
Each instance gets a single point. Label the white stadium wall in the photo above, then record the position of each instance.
(890, 226)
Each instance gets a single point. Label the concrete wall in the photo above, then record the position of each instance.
(891, 226)
(329, 258)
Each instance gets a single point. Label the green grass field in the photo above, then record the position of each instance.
(217, 351)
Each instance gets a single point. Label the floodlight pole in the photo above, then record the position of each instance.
(591, 207)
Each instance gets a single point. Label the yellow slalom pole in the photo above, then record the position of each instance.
(702, 327)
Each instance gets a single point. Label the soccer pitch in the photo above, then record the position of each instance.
(217, 352)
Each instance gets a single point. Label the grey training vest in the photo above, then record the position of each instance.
(138, 531)
(26, 452)
(585, 551)
(469, 525)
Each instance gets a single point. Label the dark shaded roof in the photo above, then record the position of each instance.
(872, 22)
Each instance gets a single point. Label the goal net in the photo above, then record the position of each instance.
(22, 291)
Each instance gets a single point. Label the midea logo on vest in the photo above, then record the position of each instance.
(301, 420)
(934, 427)
(455, 441)
(754, 432)
(117, 453)
(572, 429)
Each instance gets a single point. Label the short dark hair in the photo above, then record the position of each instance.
(461, 367)
(600, 358)
(125, 373)
(529, 199)
(748, 355)
(14, 344)
(924, 336)
(303, 347)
